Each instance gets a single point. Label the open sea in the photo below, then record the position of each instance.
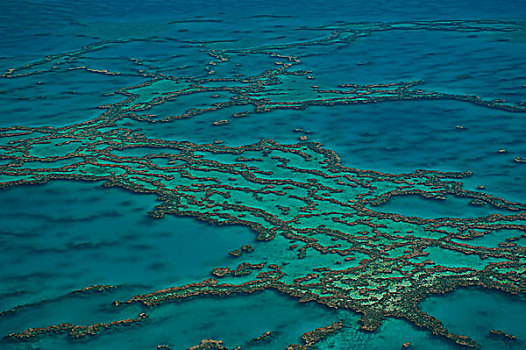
(132, 163)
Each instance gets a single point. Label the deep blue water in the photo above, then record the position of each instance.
(62, 236)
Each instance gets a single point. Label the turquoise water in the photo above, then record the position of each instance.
(478, 311)
(91, 235)
(452, 207)
(68, 64)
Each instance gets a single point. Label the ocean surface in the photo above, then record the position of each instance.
(123, 123)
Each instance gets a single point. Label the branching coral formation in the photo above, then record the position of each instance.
(337, 249)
